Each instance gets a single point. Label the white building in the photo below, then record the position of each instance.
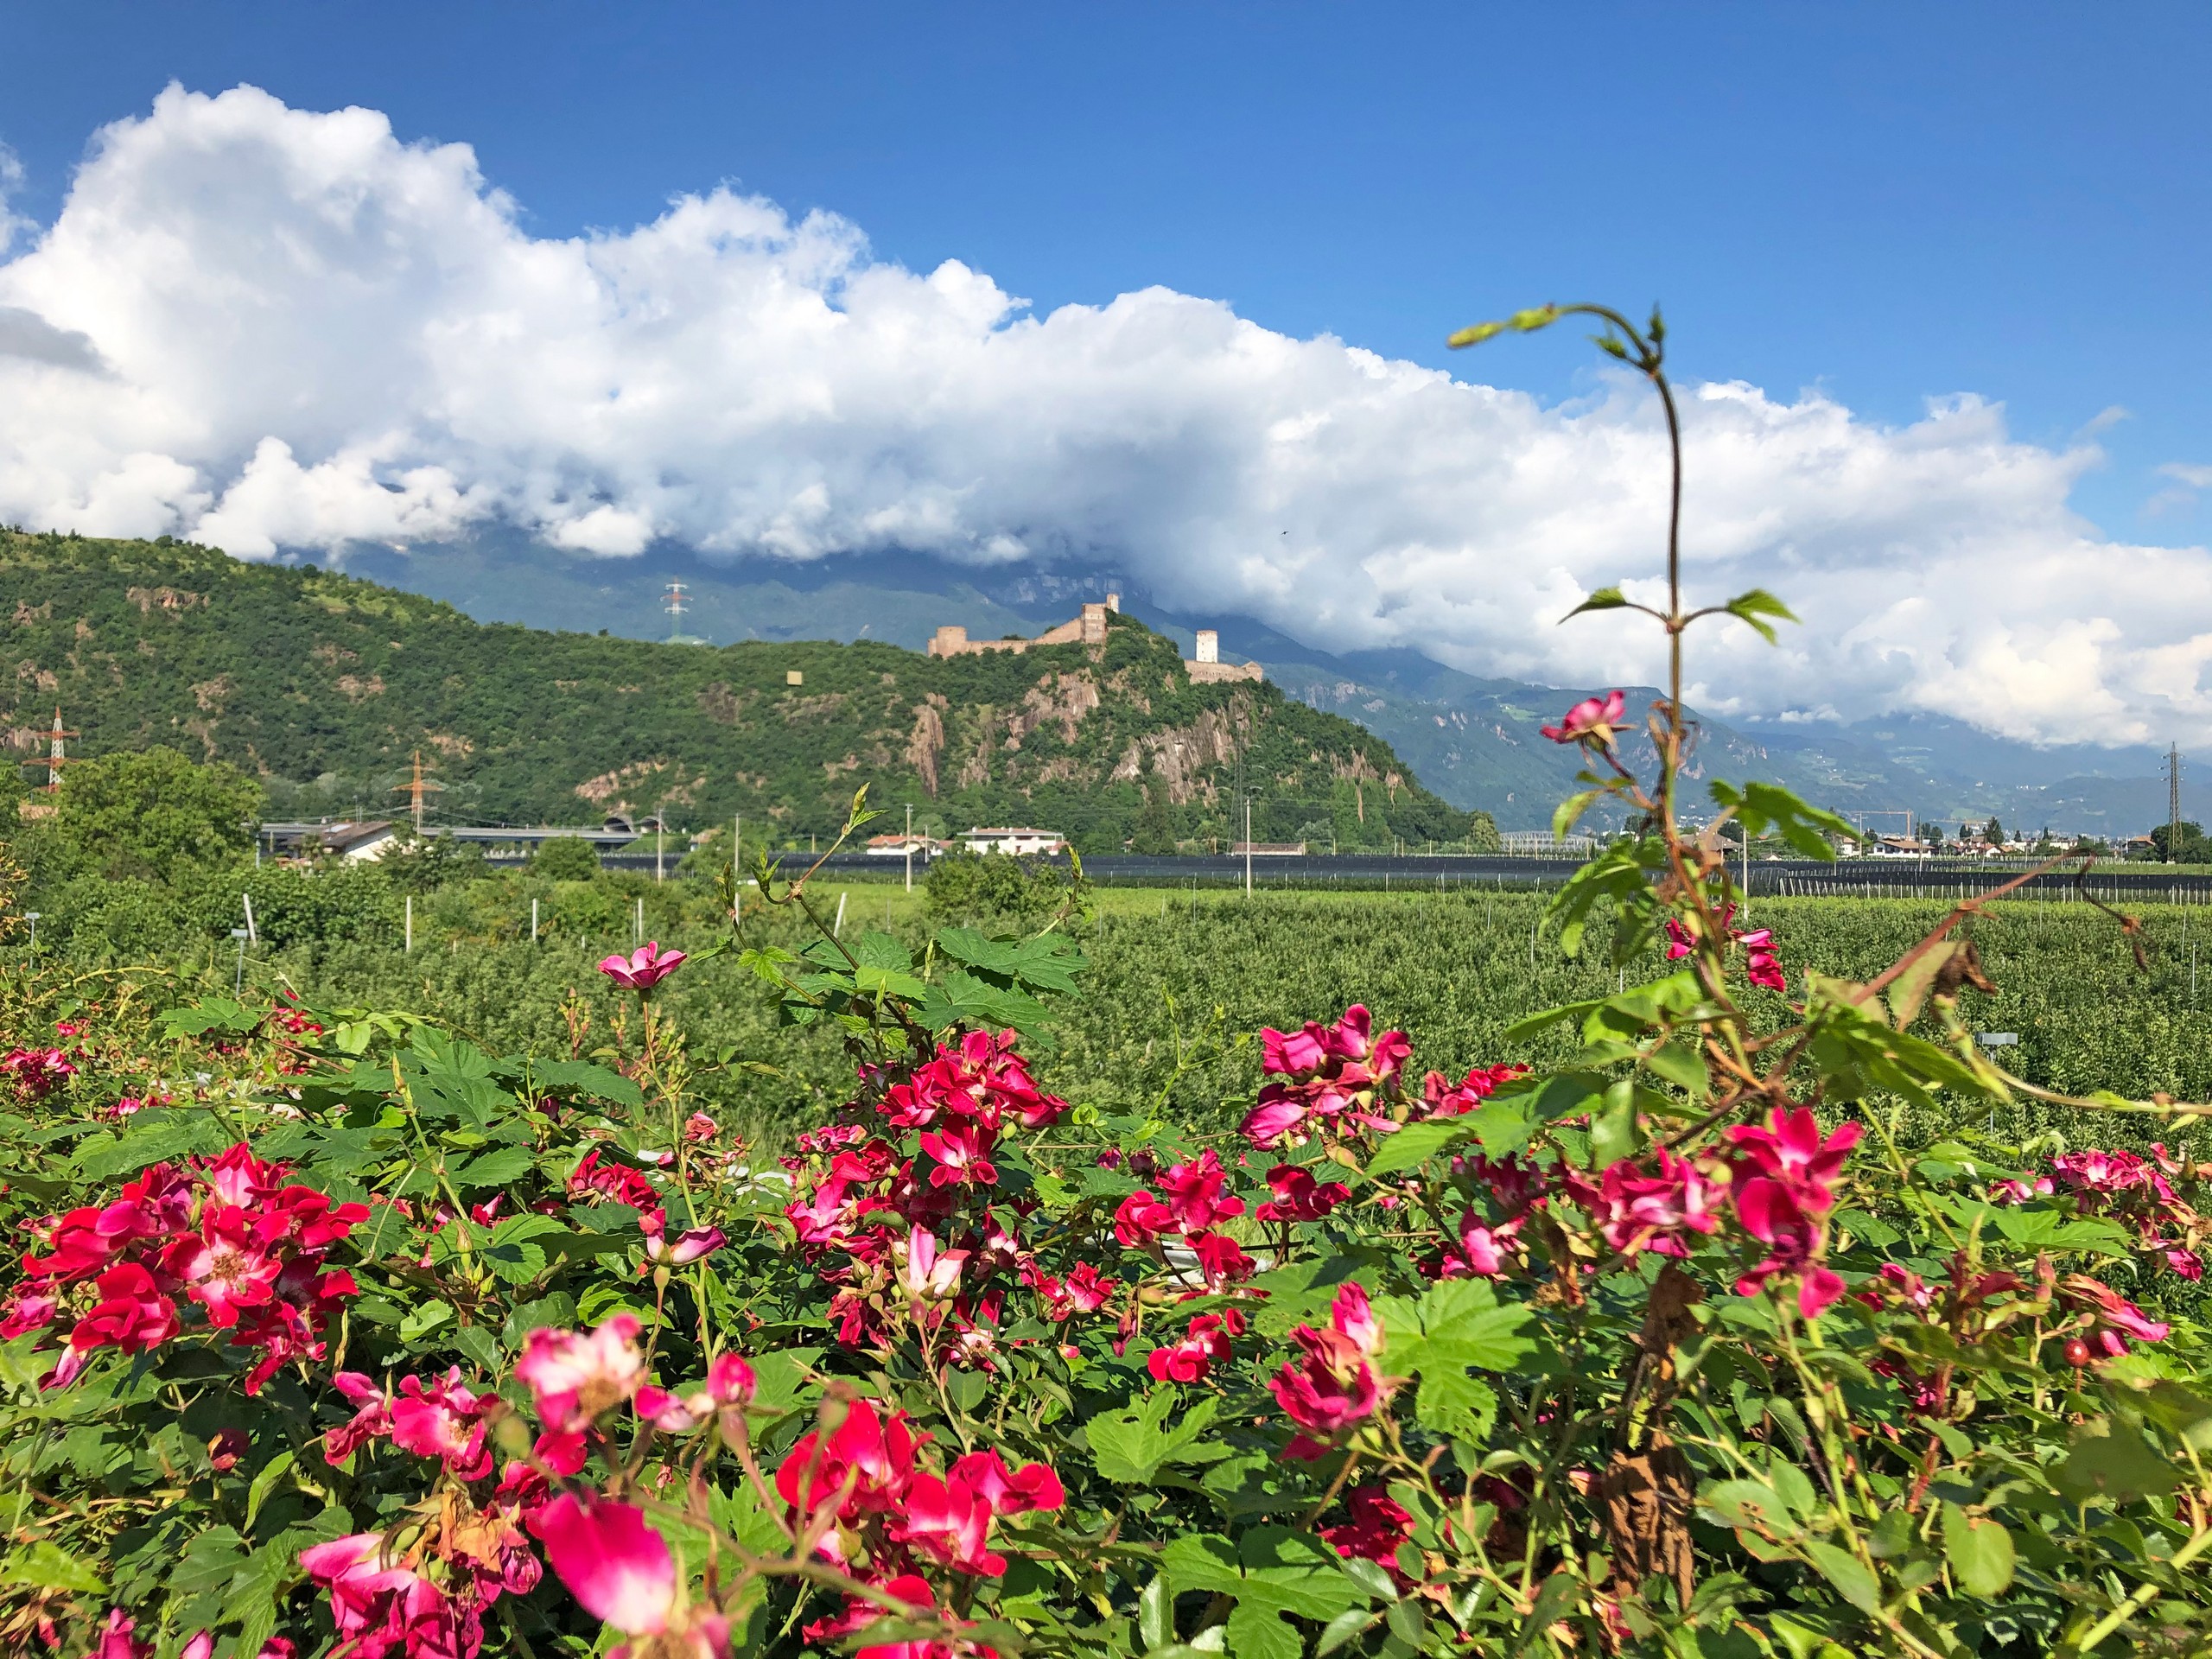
(897, 846)
(1015, 843)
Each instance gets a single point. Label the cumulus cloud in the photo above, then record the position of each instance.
(276, 329)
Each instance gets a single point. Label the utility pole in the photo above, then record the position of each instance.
(2173, 800)
(736, 866)
(1248, 846)
(660, 840)
(910, 845)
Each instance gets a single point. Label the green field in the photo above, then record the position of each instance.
(1179, 981)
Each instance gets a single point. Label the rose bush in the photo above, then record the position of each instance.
(338, 1335)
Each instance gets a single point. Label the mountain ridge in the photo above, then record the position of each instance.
(325, 685)
(1472, 739)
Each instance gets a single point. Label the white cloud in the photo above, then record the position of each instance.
(271, 328)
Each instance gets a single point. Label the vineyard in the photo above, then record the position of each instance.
(1179, 980)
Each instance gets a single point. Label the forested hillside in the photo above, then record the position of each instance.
(324, 687)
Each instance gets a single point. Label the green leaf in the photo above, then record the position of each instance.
(1568, 811)
(1456, 1328)
(1342, 1628)
(1747, 1505)
(1806, 828)
(1979, 1551)
(255, 1590)
(1604, 599)
(1156, 1612)
(1552, 1602)
(423, 1320)
(495, 1168)
(208, 1561)
(1848, 1574)
(1451, 1402)
(582, 1077)
(1416, 1143)
(1131, 1447)
(2109, 1460)
(781, 1377)
(1612, 1130)
(269, 1474)
(216, 1013)
(1754, 608)
(46, 1566)
(1273, 1572)
(516, 1251)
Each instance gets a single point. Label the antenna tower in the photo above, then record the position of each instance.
(675, 607)
(2173, 802)
(415, 788)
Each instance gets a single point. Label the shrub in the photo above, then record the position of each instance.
(567, 859)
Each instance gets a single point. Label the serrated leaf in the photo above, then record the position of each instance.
(1551, 1601)
(1602, 598)
(1416, 1143)
(1568, 811)
(1156, 1612)
(1979, 1551)
(269, 1474)
(1849, 1575)
(495, 1168)
(43, 1565)
(1130, 1448)
(208, 1561)
(1342, 1628)
(1753, 608)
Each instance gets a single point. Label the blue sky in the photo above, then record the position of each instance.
(284, 330)
(1890, 201)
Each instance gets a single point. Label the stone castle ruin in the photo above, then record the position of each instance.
(1089, 629)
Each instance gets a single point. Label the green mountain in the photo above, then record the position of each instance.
(325, 687)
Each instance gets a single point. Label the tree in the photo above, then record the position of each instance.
(1155, 832)
(150, 815)
(2190, 847)
(566, 858)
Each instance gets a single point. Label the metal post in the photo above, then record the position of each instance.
(660, 841)
(533, 921)
(252, 935)
(1248, 846)
(640, 938)
(32, 916)
(238, 979)
(736, 866)
(910, 845)
(409, 945)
